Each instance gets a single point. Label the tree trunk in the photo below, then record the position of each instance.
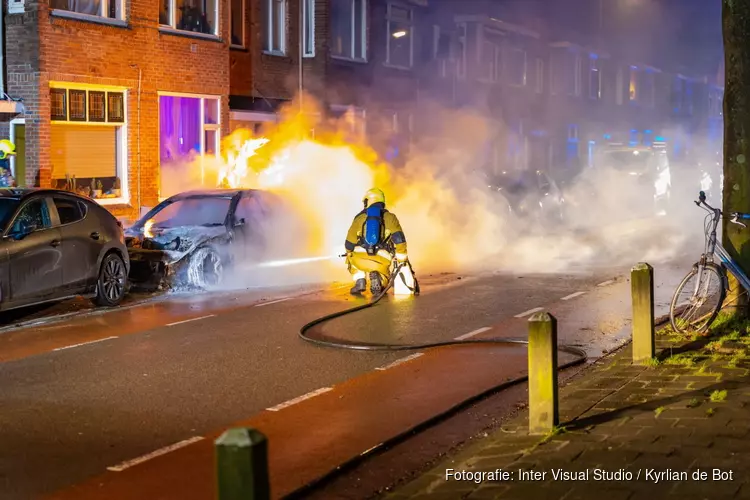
(736, 193)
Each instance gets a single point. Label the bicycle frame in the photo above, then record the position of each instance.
(713, 247)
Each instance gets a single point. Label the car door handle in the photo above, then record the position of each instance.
(94, 235)
(55, 243)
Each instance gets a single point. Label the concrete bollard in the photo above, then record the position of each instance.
(543, 405)
(242, 465)
(642, 289)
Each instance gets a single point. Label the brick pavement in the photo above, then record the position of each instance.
(685, 415)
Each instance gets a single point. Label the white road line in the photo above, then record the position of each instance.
(400, 361)
(83, 343)
(572, 295)
(272, 302)
(472, 333)
(300, 399)
(189, 320)
(529, 312)
(605, 283)
(162, 451)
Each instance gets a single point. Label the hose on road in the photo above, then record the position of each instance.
(580, 354)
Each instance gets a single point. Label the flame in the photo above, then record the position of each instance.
(147, 228)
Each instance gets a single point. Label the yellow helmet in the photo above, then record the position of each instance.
(6, 148)
(372, 196)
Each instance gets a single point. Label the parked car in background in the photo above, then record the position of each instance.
(194, 239)
(56, 245)
(531, 194)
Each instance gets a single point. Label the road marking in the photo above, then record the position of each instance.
(605, 283)
(272, 302)
(162, 451)
(572, 295)
(527, 313)
(472, 333)
(400, 361)
(300, 399)
(83, 343)
(189, 320)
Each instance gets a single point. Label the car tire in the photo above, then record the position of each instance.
(112, 283)
(206, 269)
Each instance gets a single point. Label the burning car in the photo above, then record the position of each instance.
(194, 238)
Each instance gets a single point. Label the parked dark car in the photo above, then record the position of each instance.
(531, 194)
(193, 239)
(56, 245)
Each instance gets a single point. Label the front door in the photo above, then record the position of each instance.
(18, 162)
(35, 253)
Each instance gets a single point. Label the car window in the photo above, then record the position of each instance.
(198, 211)
(69, 210)
(250, 209)
(34, 214)
(7, 208)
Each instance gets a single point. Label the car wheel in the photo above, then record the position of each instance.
(206, 268)
(112, 283)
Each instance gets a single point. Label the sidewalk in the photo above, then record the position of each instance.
(633, 430)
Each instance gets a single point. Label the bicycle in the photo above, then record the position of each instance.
(691, 315)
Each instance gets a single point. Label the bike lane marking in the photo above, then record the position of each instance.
(400, 361)
(190, 320)
(83, 343)
(529, 312)
(573, 295)
(473, 332)
(299, 399)
(157, 453)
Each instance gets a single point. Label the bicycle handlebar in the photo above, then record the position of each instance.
(736, 216)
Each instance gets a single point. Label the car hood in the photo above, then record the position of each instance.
(175, 242)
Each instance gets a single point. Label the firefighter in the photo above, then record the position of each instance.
(7, 148)
(374, 240)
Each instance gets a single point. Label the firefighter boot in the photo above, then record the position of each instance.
(359, 286)
(376, 286)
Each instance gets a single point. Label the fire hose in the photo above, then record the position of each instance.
(580, 354)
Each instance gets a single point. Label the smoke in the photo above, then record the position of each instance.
(452, 218)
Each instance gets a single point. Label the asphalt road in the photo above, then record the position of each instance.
(91, 392)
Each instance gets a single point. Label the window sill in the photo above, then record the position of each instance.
(238, 48)
(400, 68)
(275, 53)
(121, 202)
(189, 34)
(89, 18)
(308, 56)
(349, 59)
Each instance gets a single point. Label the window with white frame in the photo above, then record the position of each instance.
(237, 22)
(539, 76)
(197, 16)
(308, 28)
(189, 128)
(88, 143)
(515, 68)
(111, 9)
(595, 78)
(349, 29)
(399, 47)
(491, 56)
(274, 26)
(16, 6)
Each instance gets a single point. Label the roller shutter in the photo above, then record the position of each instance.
(85, 151)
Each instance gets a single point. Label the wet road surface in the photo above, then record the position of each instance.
(93, 392)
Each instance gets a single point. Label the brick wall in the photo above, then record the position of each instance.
(77, 51)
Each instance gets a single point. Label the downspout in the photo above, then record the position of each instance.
(301, 48)
(138, 140)
(2, 51)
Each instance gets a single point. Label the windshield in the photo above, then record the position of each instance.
(192, 212)
(7, 208)
(629, 160)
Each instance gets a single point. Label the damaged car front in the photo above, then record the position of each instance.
(184, 242)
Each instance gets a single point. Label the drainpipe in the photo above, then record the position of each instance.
(301, 48)
(138, 140)
(2, 51)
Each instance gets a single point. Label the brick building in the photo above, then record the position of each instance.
(128, 89)
(113, 89)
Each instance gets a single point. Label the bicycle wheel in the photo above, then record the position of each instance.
(698, 299)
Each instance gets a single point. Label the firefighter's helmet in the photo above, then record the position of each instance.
(6, 148)
(373, 196)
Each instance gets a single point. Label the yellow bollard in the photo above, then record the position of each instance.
(543, 405)
(642, 290)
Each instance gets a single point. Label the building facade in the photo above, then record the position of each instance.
(110, 97)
